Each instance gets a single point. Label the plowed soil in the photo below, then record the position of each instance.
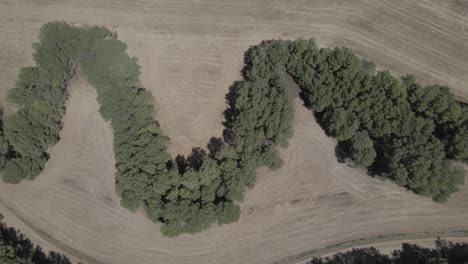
(190, 52)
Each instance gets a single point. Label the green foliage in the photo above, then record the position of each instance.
(7, 255)
(40, 93)
(398, 128)
(457, 134)
(189, 195)
(416, 159)
(444, 253)
(362, 256)
(434, 102)
(382, 105)
(327, 78)
(17, 169)
(362, 149)
(341, 123)
(56, 52)
(395, 126)
(16, 249)
(458, 147)
(228, 213)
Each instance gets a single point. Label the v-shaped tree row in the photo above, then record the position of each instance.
(395, 127)
(187, 195)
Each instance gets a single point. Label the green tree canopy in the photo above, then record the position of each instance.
(404, 131)
(444, 253)
(362, 149)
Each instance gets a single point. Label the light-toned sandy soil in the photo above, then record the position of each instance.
(190, 52)
(389, 247)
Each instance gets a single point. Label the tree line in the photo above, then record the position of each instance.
(187, 194)
(39, 93)
(444, 253)
(395, 127)
(15, 248)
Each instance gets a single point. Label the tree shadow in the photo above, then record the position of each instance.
(231, 97)
(380, 167)
(214, 145)
(231, 111)
(453, 252)
(342, 152)
(193, 161)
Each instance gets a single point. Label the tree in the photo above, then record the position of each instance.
(435, 102)
(189, 194)
(341, 123)
(411, 130)
(458, 147)
(7, 255)
(444, 253)
(362, 256)
(457, 136)
(228, 213)
(362, 149)
(408, 131)
(15, 248)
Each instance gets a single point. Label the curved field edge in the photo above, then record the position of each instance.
(15, 248)
(299, 258)
(251, 227)
(57, 245)
(370, 241)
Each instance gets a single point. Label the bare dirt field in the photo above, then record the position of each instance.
(388, 247)
(190, 52)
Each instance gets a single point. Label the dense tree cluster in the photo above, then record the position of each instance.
(444, 253)
(397, 128)
(362, 149)
(186, 194)
(15, 248)
(40, 94)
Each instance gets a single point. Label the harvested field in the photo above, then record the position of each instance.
(387, 247)
(190, 53)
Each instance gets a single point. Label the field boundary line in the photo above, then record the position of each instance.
(368, 241)
(53, 241)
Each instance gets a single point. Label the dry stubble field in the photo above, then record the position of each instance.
(190, 52)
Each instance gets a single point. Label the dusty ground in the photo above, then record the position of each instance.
(190, 52)
(389, 247)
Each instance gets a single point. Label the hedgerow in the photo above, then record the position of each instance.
(394, 127)
(188, 194)
(397, 128)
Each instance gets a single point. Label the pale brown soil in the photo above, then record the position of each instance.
(387, 244)
(389, 247)
(190, 52)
